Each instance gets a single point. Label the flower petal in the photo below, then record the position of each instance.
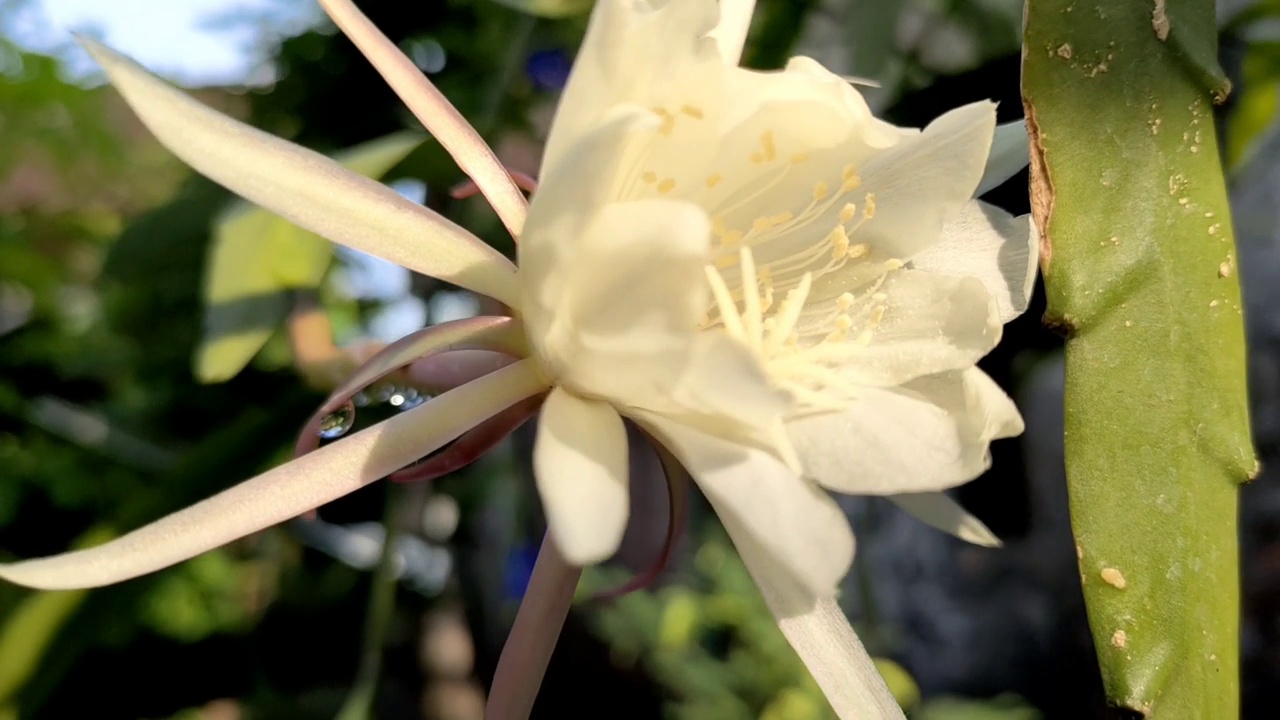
(766, 507)
(931, 324)
(580, 463)
(307, 188)
(1010, 152)
(940, 511)
(435, 112)
(286, 491)
(931, 434)
(918, 184)
(824, 640)
(632, 52)
(993, 246)
(730, 32)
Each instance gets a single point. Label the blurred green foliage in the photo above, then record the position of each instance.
(104, 247)
(712, 644)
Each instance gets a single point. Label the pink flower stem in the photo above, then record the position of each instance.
(533, 637)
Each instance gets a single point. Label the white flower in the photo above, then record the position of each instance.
(770, 280)
(785, 291)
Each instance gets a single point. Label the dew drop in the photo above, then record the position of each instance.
(337, 423)
(406, 398)
(361, 399)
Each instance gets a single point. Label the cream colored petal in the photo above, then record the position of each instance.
(580, 462)
(989, 244)
(286, 491)
(918, 184)
(730, 32)
(570, 195)
(766, 507)
(621, 324)
(824, 640)
(435, 112)
(931, 324)
(929, 435)
(937, 510)
(307, 188)
(1010, 153)
(633, 52)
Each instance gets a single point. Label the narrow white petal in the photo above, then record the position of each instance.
(932, 434)
(1010, 152)
(766, 507)
(307, 188)
(731, 31)
(940, 511)
(580, 463)
(989, 244)
(818, 631)
(286, 491)
(435, 112)
(827, 645)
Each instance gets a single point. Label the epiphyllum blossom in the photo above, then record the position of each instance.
(786, 292)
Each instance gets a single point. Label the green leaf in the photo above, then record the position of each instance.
(549, 8)
(256, 257)
(32, 626)
(1140, 268)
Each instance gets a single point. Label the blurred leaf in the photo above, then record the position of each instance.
(873, 35)
(201, 596)
(32, 626)
(549, 8)
(1002, 707)
(256, 257)
(1256, 107)
(1140, 270)
(901, 684)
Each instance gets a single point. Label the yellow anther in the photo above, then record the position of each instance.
(761, 224)
(892, 264)
(731, 238)
(780, 218)
(862, 250)
(876, 315)
(769, 324)
(650, 177)
(820, 190)
(845, 301)
(727, 261)
(879, 297)
(848, 212)
(667, 185)
(713, 180)
(869, 206)
(839, 240)
(850, 184)
(844, 323)
(799, 158)
(849, 172)
(668, 124)
(692, 111)
(756, 157)
(661, 111)
(766, 143)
